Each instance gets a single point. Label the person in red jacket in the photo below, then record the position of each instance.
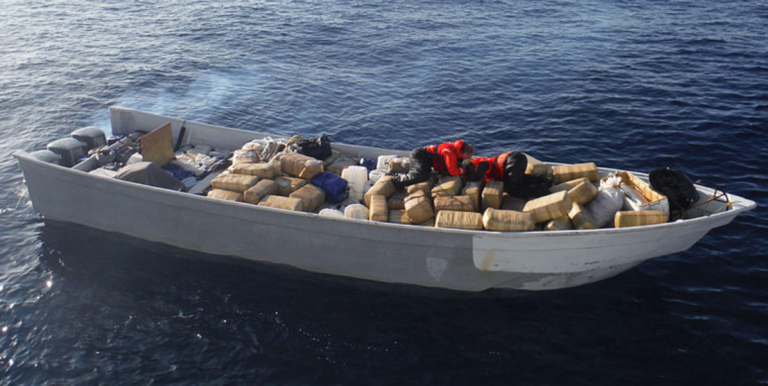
(510, 168)
(445, 158)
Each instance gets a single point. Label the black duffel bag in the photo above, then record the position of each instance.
(676, 185)
(319, 148)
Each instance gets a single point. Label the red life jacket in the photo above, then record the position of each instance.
(447, 157)
(496, 169)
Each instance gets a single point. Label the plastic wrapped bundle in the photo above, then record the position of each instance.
(399, 216)
(288, 185)
(330, 212)
(425, 187)
(310, 195)
(234, 182)
(549, 207)
(399, 165)
(300, 165)
(281, 202)
(419, 207)
(262, 189)
(583, 193)
(228, 195)
(563, 173)
(459, 220)
(500, 220)
(535, 167)
(261, 170)
(378, 209)
(493, 195)
(242, 156)
(457, 203)
(447, 186)
(357, 211)
(559, 224)
(567, 185)
(635, 218)
(581, 218)
(383, 187)
(473, 190)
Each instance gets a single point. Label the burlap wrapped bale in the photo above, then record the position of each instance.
(635, 218)
(399, 165)
(457, 203)
(425, 187)
(281, 202)
(581, 218)
(261, 170)
(263, 188)
(558, 224)
(447, 186)
(241, 156)
(382, 187)
(535, 167)
(419, 207)
(474, 189)
(397, 200)
(378, 208)
(310, 195)
(399, 216)
(228, 195)
(563, 173)
(234, 182)
(493, 195)
(507, 220)
(549, 207)
(567, 185)
(300, 165)
(288, 185)
(583, 192)
(459, 220)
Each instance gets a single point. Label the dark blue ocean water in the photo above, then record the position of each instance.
(626, 84)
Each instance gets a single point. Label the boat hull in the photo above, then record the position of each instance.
(384, 252)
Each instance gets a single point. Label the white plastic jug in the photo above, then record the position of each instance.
(383, 162)
(356, 177)
(330, 212)
(376, 175)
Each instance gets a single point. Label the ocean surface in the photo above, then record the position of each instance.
(633, 85)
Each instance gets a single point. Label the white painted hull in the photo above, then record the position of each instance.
(384, 252)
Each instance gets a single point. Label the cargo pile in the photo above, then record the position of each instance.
(342, 186)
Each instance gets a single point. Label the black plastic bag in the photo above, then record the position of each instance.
(676, 185)
(319, 148)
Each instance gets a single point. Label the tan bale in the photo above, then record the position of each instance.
(234, 182)
(382, 187)
(261, 170)
(507, 220)
(581, 218)
(419, 207)
(281, 202)
(399, 216)
(287, 185)
(263, 188)
(549, 207)
(335, 154)
(474, 189)
(459, 220)
(244, 156)
(493, 195)
(634, 218)
(378, 209)
(535, 167)
(559, 224)
(397, 200)
(457, 203)
(300, 165)
(310, 195)
(563, 173)
(228, 195)
(583, 192)
(428, 223)
(425, 187)
(567, 185)
(399, 165)
(447, 186)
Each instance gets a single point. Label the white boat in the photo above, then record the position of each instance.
(384, 252)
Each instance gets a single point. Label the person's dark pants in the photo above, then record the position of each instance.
(421, 167)
(514, 170)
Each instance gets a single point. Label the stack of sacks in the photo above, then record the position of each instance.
(225, 184)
